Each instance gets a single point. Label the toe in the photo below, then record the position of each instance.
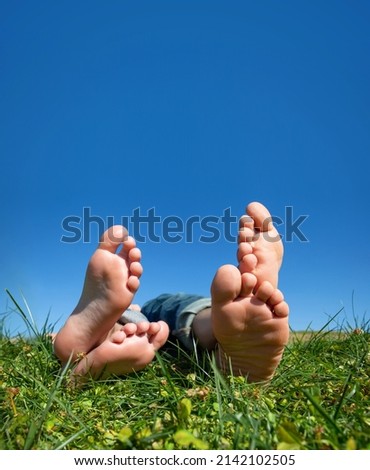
(130, 328)
(247, 231)
(265, 291)
(154, 327)
(246, 221)
(133, 284)
(113, 237)
(249, 282)
(248, 263)
(276, 297)
(281, 309)
(159, 339)
(244, 249)
(136, 269)
(128, 245)
(142, 327)
(118, 337)
(134, 254)
(246, 234)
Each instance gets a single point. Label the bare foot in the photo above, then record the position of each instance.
(127, 348)
(258, 235)
(112, 278)
(251, 329)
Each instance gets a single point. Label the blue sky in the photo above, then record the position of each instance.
(189, 108)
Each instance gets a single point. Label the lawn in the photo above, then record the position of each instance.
(319, 399)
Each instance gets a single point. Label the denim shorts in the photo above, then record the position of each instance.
(177, 310)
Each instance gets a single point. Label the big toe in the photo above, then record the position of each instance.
(261, 216)
(226, 284)
(113, 237)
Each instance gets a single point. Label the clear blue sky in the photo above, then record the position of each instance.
(190, 108)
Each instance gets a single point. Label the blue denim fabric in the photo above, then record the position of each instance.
(177, 310)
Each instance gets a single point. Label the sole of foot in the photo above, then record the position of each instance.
(249, 324)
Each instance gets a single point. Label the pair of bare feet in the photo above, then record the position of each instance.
(248, 320)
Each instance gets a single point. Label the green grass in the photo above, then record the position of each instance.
(319, 399)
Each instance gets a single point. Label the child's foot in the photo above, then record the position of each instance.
(112, 278)
(258, 235)
(251, 329)
(127, 348)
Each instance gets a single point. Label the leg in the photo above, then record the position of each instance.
(178, 311)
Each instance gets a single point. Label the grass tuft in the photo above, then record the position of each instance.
(319, 399)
